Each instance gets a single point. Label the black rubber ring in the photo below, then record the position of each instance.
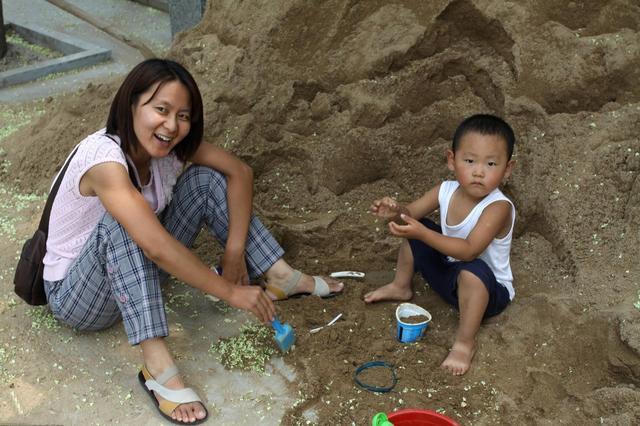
(375, 388)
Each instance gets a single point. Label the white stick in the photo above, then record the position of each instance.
(315, 330)
(347, 274)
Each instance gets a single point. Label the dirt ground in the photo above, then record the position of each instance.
(337, 103)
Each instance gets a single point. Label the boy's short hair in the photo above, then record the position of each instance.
(485, 124)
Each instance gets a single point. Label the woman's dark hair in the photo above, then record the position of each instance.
(486, 124)
(139, 80)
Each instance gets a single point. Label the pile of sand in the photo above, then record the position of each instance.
(337, 103)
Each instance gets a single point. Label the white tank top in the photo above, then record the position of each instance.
(496, 255)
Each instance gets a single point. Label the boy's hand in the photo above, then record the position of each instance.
(413, 230)
(386, 208)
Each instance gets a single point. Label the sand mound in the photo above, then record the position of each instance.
(336, 103)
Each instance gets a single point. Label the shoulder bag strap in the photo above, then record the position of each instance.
(44, 220)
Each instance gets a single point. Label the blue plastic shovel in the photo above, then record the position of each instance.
(285, 337)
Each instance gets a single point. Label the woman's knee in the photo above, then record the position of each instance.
(86, 321)
(201, 182)
(204, 175)
(110, 229)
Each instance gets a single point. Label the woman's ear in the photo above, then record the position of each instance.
(450, 159)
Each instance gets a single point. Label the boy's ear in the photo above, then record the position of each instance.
(509, 169)
(450, 159)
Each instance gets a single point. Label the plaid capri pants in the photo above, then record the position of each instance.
(112, 278)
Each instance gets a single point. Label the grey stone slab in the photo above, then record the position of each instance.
(78, 54)
(162, 5)
(185, 14)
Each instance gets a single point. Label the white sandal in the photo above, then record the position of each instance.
(320, 288)
(172, 398)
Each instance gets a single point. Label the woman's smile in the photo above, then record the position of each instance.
(161, 118)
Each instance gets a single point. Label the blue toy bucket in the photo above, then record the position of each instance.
(408, 332)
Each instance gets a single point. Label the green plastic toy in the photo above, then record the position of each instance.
(381, 419)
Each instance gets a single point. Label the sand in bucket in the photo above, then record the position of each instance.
(409, 330)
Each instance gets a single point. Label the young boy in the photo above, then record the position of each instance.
(466, 258)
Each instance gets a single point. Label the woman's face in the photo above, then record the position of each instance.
(162, 122)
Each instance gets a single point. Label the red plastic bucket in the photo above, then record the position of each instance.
(413, 417)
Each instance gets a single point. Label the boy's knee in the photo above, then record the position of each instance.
(469, 280)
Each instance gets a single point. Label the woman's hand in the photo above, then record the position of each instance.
(234, 269)
(412, 230)
(252, 298)
(386, 208)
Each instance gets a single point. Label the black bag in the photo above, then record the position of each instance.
(28, 281)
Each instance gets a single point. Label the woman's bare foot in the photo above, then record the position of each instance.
(391, 291)
(186, 413)
(459, 359)
(280, 277)
(307, 284)
(157, 360)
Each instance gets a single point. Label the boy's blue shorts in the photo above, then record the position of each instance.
(442, 274)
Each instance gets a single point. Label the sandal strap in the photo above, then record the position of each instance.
(282, 293)
(174, 396)
(166, 375)
(293, 282)
(321, 288)
(276, 291)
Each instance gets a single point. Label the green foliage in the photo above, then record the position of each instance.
(250, 350)
(12, 120)
(7, 356)
(42, 318)
(14, 38)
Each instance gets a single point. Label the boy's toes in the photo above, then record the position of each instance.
(459, 359)
(373, 296)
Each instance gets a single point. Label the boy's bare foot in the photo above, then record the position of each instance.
(391, 291)
(459, 359)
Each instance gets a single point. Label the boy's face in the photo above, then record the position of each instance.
(480, 163)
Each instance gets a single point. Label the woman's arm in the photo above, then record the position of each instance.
(111, 183)
(239, 199)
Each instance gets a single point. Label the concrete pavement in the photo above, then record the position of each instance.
(131, 19)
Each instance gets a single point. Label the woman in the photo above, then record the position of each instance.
(127, 210)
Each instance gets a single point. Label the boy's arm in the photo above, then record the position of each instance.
(426, 204)
(491, 222)
(419, 208)
(389, 209)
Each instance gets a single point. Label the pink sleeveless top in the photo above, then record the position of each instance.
(74, 216)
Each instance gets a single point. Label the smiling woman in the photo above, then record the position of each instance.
(161, 120)
(127, 212)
